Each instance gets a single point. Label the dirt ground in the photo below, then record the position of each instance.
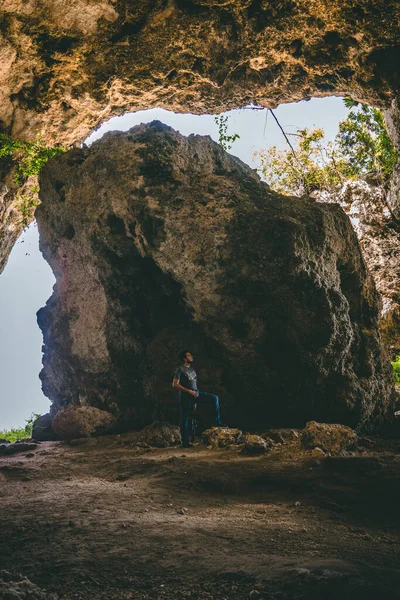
(107, 520)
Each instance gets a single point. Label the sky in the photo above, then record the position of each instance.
(27, 280)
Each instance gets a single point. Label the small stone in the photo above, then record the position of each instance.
(182, 511)
(318, 453)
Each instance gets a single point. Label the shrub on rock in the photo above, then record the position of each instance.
(221, 437)
(160, 434)
(329, 437)
(82, 421)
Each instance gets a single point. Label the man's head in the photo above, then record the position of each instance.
(185, 356)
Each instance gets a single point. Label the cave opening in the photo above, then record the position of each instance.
(255, 131)
(308, 512)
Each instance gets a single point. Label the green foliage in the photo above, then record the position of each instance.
(364, 142)
(315, 164)
(224, 139)
(27, 203)
(29, 157)
(396, 370)
(12, 435)
(361, 146)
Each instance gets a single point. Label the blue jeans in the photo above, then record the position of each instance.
(186, 403)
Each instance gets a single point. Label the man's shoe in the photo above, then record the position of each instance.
(188, 445)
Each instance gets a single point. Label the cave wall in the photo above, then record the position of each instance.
(367, 204)
(67, 67)
(160, 242)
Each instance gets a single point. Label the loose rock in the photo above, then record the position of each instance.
(159, 434)
(254, 444)
(221, 437)
(82, 421)
(327, 437)
(17, 587)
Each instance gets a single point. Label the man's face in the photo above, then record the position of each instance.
(189, 357)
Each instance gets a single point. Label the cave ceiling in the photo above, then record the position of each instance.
(66, 66)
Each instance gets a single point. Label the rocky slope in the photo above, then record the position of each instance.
(160, 242)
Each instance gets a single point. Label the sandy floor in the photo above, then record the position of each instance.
(108, 520)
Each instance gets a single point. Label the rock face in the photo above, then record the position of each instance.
(82, 421)
(378, 232)
(42, 429)
(161, 242)
(68, 66)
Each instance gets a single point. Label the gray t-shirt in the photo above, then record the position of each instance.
(187, 377)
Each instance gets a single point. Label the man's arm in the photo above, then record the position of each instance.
(178, 386)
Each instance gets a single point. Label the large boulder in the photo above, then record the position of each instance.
(160, 242)
(82, 421)
(42, 429)
(328, 437)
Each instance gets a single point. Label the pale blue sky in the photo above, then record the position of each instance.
(26, 282)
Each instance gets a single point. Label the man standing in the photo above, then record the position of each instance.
(185, 380)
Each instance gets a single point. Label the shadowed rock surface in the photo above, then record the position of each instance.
(378, 230)
(160, 242)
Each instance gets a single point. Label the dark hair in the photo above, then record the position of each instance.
(182, 354)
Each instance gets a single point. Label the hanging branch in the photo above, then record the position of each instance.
(302, 179)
